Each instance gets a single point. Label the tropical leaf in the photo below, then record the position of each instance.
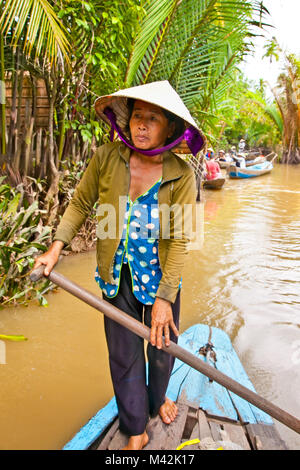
(157, 15)
(273, 112)
(12, 207)
(196, 46)
(36, 24)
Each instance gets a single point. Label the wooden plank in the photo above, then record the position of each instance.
(119, 441)
(167, 436)
(104, 444)
(265, 437)
(191, 421)
(204, 429)
(175, 429)
(155, 430)
(215, 430)
(194, 435)
(236, 435)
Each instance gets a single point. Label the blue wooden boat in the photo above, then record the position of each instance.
(253, 171)
(209, 416)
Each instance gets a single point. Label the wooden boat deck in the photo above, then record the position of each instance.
(207, 411)
(212, 433)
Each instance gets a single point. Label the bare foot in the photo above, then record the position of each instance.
(168, 411)
(137, 442)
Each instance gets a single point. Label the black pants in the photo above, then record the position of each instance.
(135, 399)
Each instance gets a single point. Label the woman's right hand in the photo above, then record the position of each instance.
(49, 258)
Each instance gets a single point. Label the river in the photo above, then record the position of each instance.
(245, 280)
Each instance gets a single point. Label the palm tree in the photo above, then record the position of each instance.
(35, 25)
(196, 45)
(287, 98)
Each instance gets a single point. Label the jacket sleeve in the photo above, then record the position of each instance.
(80, 207)
(182, 226)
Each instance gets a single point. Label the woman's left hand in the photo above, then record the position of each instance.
(161, 322)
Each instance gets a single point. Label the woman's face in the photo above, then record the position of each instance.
(148, 126)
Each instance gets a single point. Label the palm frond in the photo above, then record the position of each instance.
(273, 112)
(153, 28)
(196, 47)
(36, 24)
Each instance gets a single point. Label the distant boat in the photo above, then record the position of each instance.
(216, 183)
(225, 162)
(209, 415)
(256, 161)
(253, 171)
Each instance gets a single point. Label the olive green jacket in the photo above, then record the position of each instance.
(106, 182)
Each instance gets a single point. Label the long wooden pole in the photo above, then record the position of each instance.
(177, 351)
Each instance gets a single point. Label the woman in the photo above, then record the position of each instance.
(140, 258)
(213, 169)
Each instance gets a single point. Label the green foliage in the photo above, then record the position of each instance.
(249, 115)
(272, 49)
(101, 34)
(196, 45)
(286, 95)
(71, 176)
(37, 27)
(22, 236)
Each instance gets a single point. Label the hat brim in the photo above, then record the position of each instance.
(118, 103)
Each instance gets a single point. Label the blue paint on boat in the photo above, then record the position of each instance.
(94, 428)
(252, 171)
(194, 386)
(210, 396)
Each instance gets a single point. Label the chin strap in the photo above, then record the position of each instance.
(191, 135)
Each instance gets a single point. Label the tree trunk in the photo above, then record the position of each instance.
(51, 200)
(38, 153)
(2, 97)
(13, 111)
(28, 149)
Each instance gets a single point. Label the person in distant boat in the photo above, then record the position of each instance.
(233, 150)
(221, 156)
(140, 262)
(210, 153)
(224, 157)
(213, 169)
(242, 145)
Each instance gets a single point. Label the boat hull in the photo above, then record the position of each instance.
(224, 164)
(216, 183)
(254, 171)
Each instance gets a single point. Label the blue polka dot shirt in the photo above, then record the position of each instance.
(139, 248)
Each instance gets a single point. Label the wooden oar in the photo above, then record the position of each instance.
(177, 351)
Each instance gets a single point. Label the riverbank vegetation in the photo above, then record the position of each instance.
(57, 57)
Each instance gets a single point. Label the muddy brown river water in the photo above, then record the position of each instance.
(245, 280)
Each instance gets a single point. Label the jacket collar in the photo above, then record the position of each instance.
(172, 169)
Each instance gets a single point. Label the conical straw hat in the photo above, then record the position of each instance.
(159, 93)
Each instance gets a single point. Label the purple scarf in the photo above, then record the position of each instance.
(192, 136)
